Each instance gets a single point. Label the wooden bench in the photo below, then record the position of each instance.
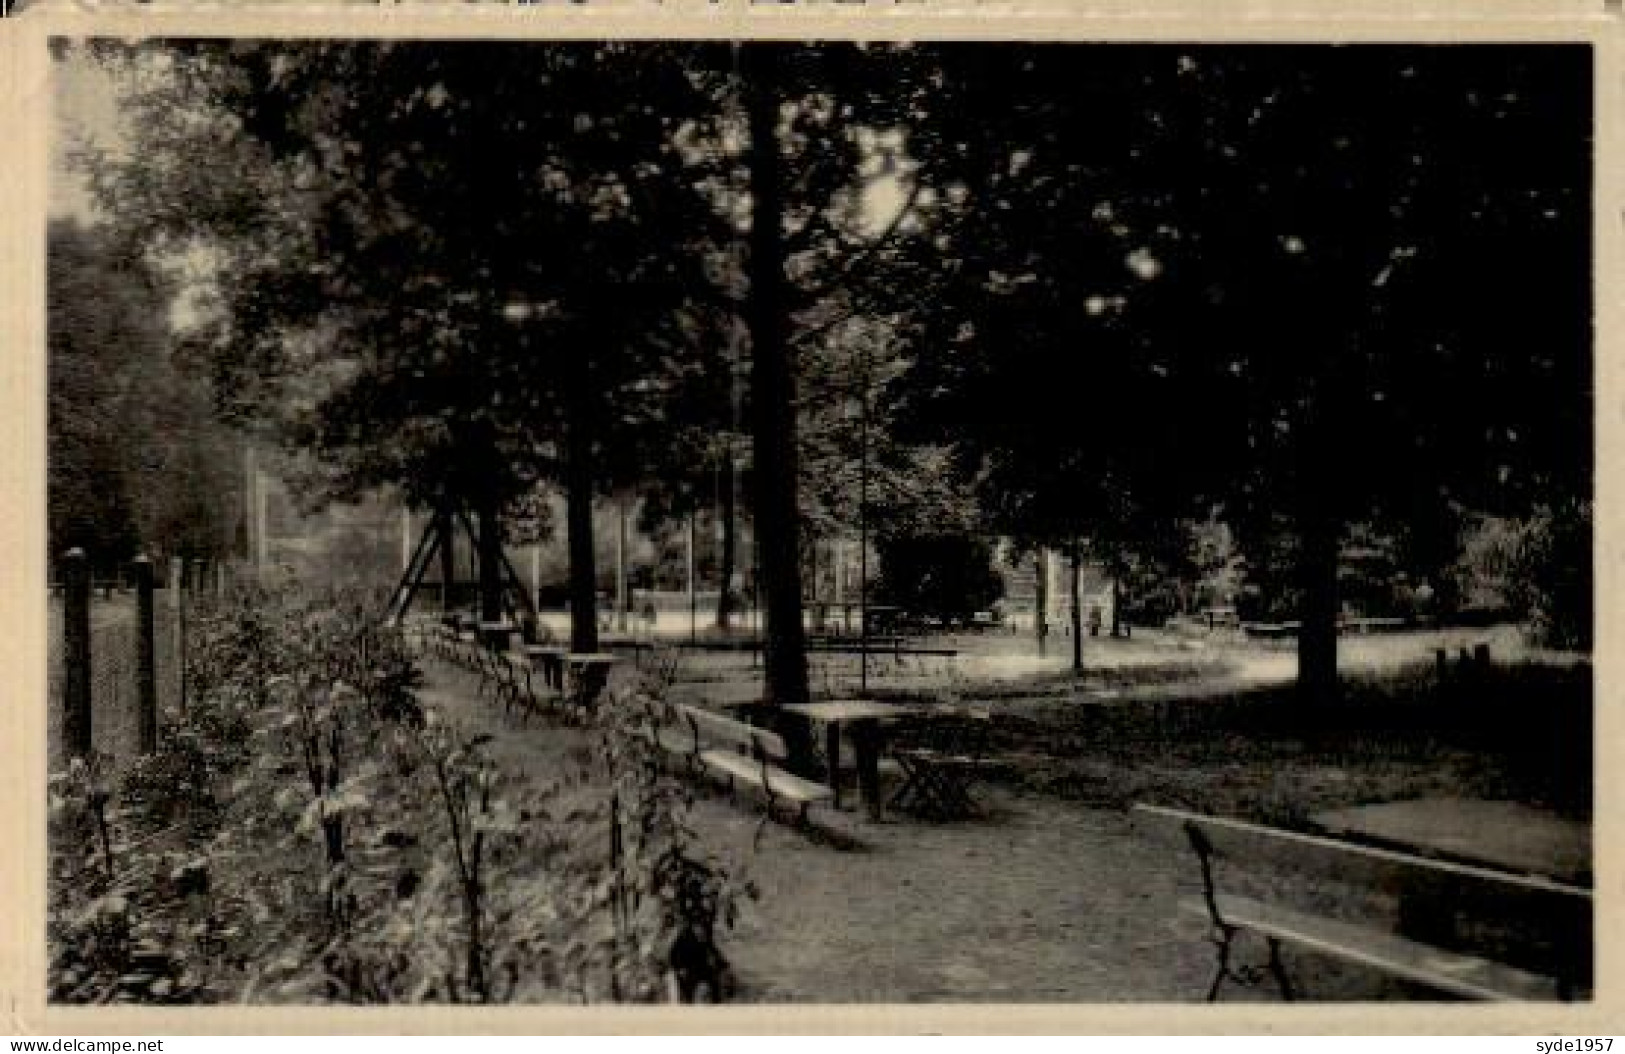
(737, 753)
(507, 673)
(1469, 932)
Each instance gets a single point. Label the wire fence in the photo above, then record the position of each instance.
(114, 633)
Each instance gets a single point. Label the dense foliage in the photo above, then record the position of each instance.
(1251, 289)
(943, 576)
(779, 271)
(133, 446)
(310, 831)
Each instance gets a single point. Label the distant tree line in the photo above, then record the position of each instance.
(136, 458)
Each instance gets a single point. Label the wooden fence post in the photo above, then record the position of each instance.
(146, 664)
(76, 730)
(177, 608)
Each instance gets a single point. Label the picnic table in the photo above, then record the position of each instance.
(587, 673)
(861, 718)
(549, 659)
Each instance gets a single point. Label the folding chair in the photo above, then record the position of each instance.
(941, 756)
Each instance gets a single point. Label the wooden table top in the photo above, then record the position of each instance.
(854, 709)
(1505, 835)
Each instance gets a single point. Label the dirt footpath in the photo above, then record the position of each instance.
(1033, 903)
(1043, 900)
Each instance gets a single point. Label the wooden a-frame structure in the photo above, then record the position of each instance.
(438, 537)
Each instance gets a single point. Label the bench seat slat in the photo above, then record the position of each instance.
(1436, 968)
(782, 784)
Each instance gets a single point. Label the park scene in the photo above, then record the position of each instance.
(609, 522)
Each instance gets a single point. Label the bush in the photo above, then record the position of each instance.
(1537, 567)
(948, 577)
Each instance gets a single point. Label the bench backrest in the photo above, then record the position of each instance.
(1250, 844)
(1550, 917)
(728, 732)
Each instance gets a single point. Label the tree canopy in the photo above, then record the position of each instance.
(1116, 288)
(1252, 287)
(403, 299)
(133, 448)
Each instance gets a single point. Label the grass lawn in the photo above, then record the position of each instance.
(1221, 728)
(1052, 896)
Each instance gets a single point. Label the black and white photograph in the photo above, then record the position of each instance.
(724, 521)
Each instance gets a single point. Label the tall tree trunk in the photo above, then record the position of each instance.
(691, 581)
(250, 502)
(812, 570)
(578, 521)
(1119, 627)
(1040, 596)
(1317, 636)
(728, 560)
(448, 557)
(622, 597)
(773, 391)
(1077, 609)
(490, 561)
(839, 562)
(1319, 535)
